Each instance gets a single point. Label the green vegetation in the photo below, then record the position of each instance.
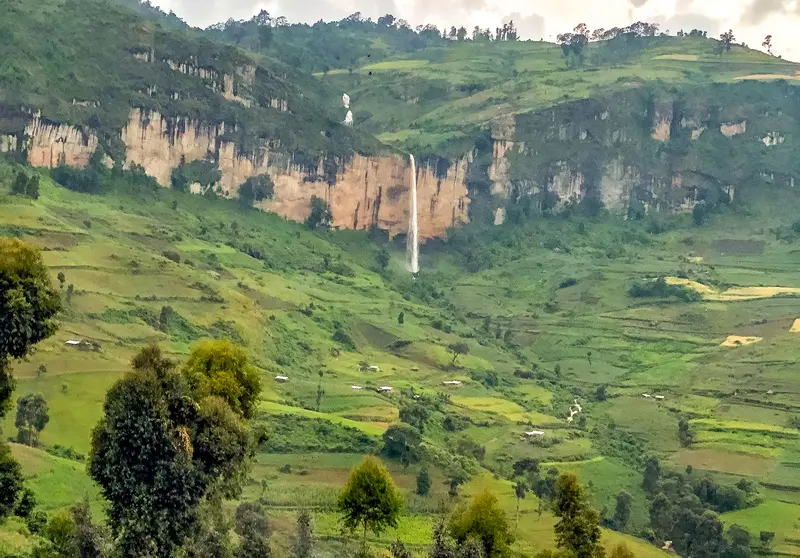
(547, 369)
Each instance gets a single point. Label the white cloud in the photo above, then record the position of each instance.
(751, 20)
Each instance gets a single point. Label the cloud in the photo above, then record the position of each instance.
(687, 22)
(759, 10)
(529, 27)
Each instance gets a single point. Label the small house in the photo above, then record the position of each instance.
(374, 368)
(84, 345)
(660, 397)
(281, 379)
(415, 368)
(452, 383)
(534, 433)
(646, 395)
(384, 389)
(355, 387)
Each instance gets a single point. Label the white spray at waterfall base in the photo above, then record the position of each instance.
(412, 240)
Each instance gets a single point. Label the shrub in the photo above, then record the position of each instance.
(569, 282)
(660, 289)
(172, 256)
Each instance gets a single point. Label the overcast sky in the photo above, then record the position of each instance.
(751, 20)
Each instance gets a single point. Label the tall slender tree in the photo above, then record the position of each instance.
(578, 527)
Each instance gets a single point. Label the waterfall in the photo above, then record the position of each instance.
(412, 241)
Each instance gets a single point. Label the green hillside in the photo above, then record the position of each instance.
(436, 96)
(87, 63)
(550, 322)
(653, 355)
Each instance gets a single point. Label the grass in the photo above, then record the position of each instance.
(741, 429)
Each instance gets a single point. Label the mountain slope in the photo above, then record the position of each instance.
(87, 63)
(424, 99)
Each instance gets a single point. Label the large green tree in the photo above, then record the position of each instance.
(252, 527)
(166, 441)
(370, 500)
(220, 368)
(28, 307)
(578, 527)
(402, 442)
(485, 521)
(32, 417)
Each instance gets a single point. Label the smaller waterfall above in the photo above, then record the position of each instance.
(412, 240)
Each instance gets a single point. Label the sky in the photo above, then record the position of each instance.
(751, 20)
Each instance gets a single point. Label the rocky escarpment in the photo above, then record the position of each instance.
(648, 147)
(365, 192)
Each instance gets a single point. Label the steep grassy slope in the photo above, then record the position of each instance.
(173, 268)
(431, 98)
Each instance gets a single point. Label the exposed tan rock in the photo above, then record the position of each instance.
(369, 191)
(733, 128)
(661, 131)
(498, 171)
(49, 144)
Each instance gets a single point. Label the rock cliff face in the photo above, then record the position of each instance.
(663, 150)
(367, 192)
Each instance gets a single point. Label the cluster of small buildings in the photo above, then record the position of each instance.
(656, 397)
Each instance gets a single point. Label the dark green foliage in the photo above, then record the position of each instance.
(32, 417)
(382, 258)
(401, 318)
(485, 521)
(256, 188)
(578, 527)
(622, 510)
(458, 349)
(423, 483)
(28, 306)
(10, 480)
(566, 283)
(172, 256)
(297, 434)
(441, 546)
(402, 442)
(341, 336)
(253, 529)
(545, 489)
(416, 414)
(370, 500)
(320, 216)
(766, 538)
(685, 436)
(526, 466)
(399, 550)
(24, 186)
(470, 448)
(600, 393)
(454, 423)
(652, 475)
(20, 185)
(158, 450)
(90, 540)
(202, 172)
(660, 289)
(303, 546)
(326, 45)
(26, 504)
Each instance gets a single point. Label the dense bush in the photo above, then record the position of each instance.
(296, 434)
(660, 289)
